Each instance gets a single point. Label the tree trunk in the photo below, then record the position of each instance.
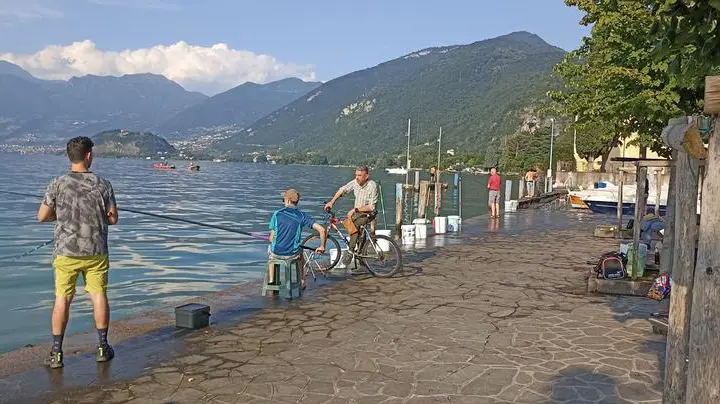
(606, 152)
(605, 156)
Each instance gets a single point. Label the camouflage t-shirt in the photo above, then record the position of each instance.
(81, 202)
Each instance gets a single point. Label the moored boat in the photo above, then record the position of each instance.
(163, 166)
(398, 171)
(610, 207)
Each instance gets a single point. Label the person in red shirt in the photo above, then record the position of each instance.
(494, 193)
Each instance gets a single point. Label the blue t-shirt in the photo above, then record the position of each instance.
(288, 223)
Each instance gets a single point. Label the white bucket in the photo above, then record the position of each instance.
(420, 231)
(624, 248)
(408, 233)
(440, 224)
(383, 244)
(453, 223)
(334, 253)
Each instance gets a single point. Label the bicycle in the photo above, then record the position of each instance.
(371, 251)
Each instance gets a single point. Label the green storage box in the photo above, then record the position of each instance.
(192, 315)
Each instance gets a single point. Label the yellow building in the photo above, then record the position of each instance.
(623, 149)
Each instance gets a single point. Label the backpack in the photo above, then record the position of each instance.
(612, 266)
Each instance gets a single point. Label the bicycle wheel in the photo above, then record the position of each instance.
(324, 262)
(381, 256)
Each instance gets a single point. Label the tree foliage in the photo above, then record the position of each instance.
(685, 35)
(614, 84)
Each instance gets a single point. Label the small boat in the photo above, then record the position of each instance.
(397, 171)
(194, 167)
(607, 192)
(163, 166)
(610, 207)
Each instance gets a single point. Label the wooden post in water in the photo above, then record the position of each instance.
(508, 189)
(424, 198)
(703, 377)
(640, 205)
(398, 208)
(683, 271)
(521, 189)
(459, 185)
(438, 194)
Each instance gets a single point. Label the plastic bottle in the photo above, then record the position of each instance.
(657, 256)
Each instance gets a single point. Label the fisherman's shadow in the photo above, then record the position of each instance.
(579, 384)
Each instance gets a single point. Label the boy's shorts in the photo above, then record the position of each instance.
(283, 257)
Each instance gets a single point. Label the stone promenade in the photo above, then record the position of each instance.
(502, 319)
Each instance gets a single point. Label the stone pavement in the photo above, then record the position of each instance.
(503, 319)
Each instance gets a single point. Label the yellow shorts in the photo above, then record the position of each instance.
(93, 268)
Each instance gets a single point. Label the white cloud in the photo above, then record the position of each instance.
(208, 69)
(25, 10)
(145, 4)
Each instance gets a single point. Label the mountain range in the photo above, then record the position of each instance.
(49, 111)
(237, 107)
(478, 93)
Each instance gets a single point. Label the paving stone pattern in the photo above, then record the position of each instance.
(502, 319)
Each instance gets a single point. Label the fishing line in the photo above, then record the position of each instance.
(25, 254)
(254, 235)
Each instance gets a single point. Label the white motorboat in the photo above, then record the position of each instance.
(397, 171)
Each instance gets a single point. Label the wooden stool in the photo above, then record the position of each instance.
(290, 280)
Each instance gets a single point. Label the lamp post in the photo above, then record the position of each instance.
(407, 172)
(439, 143)
(548, 180)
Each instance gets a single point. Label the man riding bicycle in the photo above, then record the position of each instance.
(366, 197)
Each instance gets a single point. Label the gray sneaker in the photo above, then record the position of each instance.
(55, 361)
(346, 258)
(104, 354)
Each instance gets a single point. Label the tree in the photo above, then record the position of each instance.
(686, 37)
(613, 81)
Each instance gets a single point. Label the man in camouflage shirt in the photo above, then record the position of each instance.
(83, 205)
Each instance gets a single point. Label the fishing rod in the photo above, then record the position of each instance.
(382, 203)
(254, 235)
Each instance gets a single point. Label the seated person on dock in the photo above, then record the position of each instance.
(650, 227)
(286, 226)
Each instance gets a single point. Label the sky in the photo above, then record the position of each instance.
(213, 45)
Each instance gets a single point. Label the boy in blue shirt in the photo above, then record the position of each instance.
(286, 226)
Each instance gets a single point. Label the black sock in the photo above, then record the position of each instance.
(102, 336)
(57, 343)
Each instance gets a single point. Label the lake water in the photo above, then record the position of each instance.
(156, 262)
